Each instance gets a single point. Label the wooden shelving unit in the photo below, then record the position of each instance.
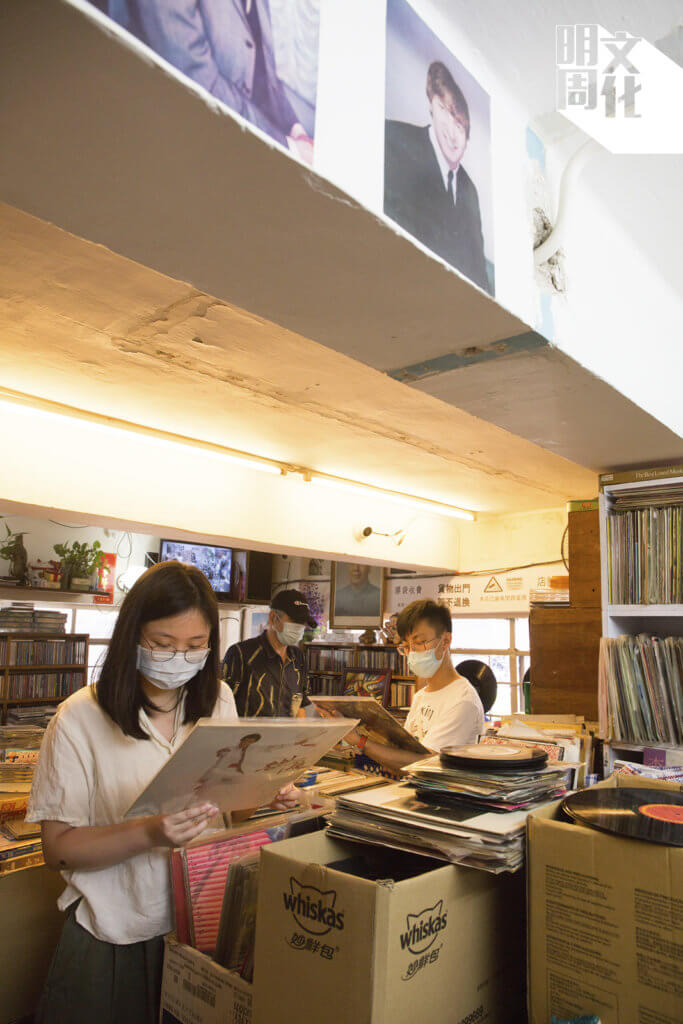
(356, 658)
(565, 641)
(77, 670)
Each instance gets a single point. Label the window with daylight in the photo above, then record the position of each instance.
(503, 644)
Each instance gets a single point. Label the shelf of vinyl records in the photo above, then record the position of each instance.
(641, 655)
(40, 668)
(641, 553)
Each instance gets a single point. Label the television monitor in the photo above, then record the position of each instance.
(214, 562)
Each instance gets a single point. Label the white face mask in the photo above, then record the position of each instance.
(169, 675)
(424, 664)
(291, 634)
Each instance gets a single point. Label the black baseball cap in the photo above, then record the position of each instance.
(295, 605)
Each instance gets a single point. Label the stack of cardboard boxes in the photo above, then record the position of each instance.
(339, 941)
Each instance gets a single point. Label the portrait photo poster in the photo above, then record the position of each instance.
(437, 152)
(356, 596)
(258, 57)
(237, 765)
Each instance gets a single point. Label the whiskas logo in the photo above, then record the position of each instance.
(313, 910)
(423, 928)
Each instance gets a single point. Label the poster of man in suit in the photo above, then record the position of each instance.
(437, 152)
(259, 57)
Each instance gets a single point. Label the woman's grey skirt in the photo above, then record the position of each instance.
(94, 982)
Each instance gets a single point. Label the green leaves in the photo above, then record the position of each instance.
(78, 559)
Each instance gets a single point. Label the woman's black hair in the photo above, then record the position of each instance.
(169, 588)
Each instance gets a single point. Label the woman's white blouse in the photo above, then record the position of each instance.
(89, 773)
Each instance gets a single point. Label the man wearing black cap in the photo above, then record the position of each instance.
(267, 673)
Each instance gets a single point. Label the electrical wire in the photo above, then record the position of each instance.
(564, 537)
(125, 558)
(304, 579)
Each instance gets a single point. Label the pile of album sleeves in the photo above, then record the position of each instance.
(467, 805)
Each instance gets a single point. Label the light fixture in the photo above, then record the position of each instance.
(109, 424)
(410, 501)
(32, 405)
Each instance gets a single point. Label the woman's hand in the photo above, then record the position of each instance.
(182, 827)
(286, 799)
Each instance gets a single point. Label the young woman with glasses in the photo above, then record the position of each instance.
(104, 745)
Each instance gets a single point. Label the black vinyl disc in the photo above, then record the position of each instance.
(652, 814)
(494, 757)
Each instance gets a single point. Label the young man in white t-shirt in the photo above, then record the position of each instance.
(446, 711)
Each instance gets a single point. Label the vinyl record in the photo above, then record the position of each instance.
(652, 814)
(494, 758)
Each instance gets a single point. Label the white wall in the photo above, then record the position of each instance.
(125, 481)
(623, 296)
(622, 316)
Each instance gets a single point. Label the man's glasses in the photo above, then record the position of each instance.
(405, 647)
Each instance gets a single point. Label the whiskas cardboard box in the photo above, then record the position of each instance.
(195, 990)
(352, 934)
(605, 919)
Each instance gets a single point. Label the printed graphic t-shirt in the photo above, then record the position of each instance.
(451, 717)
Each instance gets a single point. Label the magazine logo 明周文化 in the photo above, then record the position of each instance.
(313, 909)
(423, 928)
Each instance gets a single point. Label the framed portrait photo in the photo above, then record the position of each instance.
(356, 596)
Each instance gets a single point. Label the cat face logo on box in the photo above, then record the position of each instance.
(267, 673)
(312, 909)
(423, 928)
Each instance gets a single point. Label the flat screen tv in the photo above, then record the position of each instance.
(214, 562)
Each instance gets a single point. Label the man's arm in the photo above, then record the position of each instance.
(391, 757)
(303, 683)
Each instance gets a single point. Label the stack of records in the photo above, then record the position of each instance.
(199, 875)
(49, 622)
(497, 778)
(396, 817)
(33, 714)
(470, 807)
(235, 943)
(15, 778)
(17, 618)
(17, 740)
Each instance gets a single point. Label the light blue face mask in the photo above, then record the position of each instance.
(424, 664)
(290, 634)
(172, 673)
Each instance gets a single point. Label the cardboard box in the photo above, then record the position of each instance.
(605, 921)
(434, 943)
(195, 990)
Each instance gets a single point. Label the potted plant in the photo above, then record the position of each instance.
(79, 561)
(13, 551)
